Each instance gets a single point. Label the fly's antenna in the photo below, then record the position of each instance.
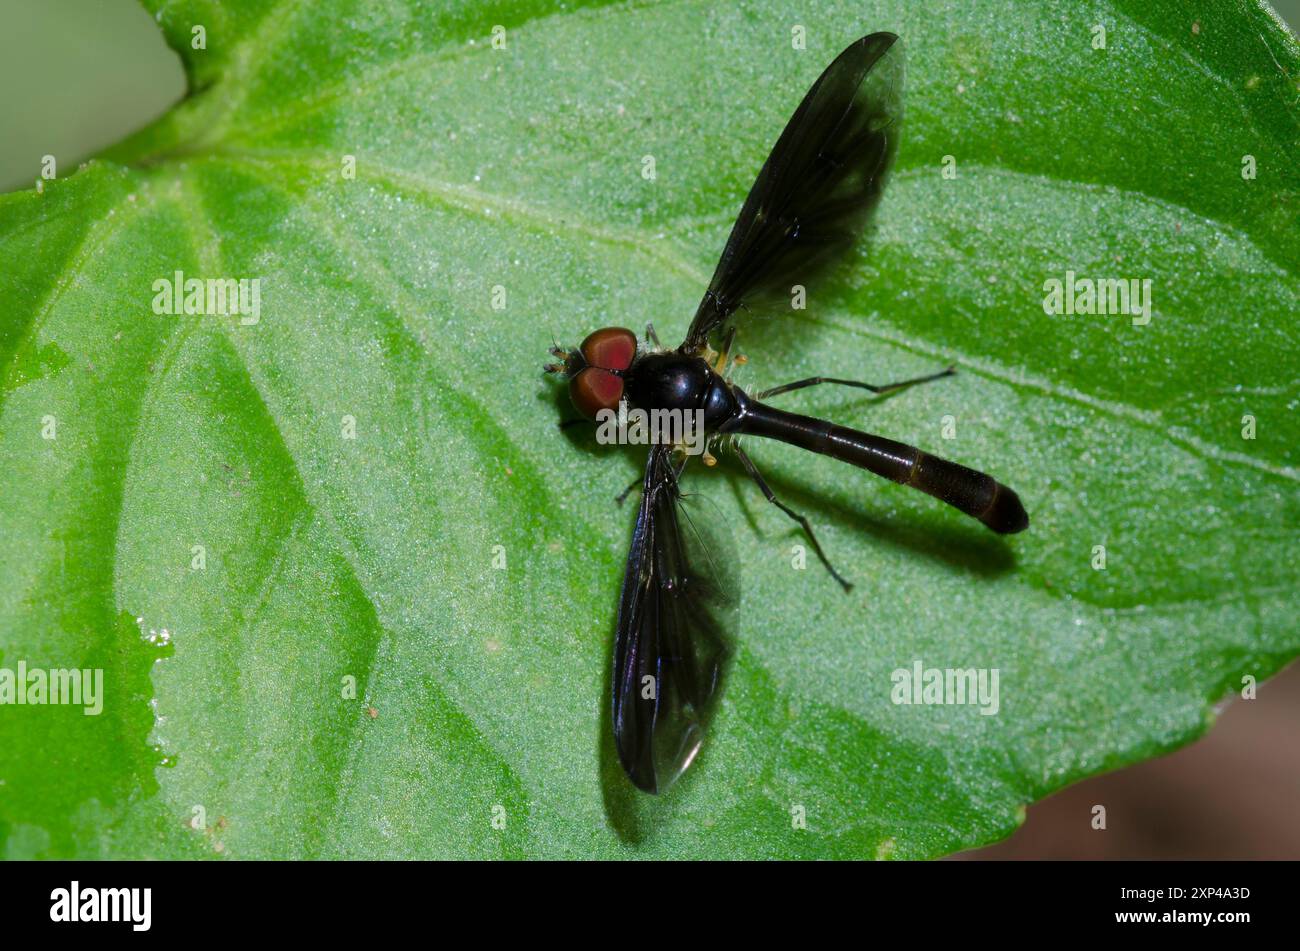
(558, 352)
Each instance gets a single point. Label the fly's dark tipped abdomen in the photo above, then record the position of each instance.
(974, 493)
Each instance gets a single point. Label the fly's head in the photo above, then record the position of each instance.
(596, 369)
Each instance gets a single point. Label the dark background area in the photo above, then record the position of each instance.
(79, 75)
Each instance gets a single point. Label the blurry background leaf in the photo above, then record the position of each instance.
(481, 693)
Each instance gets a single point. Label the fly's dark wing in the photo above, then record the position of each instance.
(817, 188)
(671, 645)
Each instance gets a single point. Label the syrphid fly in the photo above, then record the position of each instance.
(808, 207)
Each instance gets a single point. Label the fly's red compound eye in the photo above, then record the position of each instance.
(612, 348)
(593, 389)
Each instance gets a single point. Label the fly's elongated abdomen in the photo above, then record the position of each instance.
(974, 493)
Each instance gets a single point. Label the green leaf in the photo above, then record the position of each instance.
(372, 558)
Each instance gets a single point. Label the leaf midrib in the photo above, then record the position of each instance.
(471, 201)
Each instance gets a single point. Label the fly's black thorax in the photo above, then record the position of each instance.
(673, 380)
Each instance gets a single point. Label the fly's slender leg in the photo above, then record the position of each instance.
(651, 336)
(883, 388)
(771, 497)
(726, 349)
(622, 496)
